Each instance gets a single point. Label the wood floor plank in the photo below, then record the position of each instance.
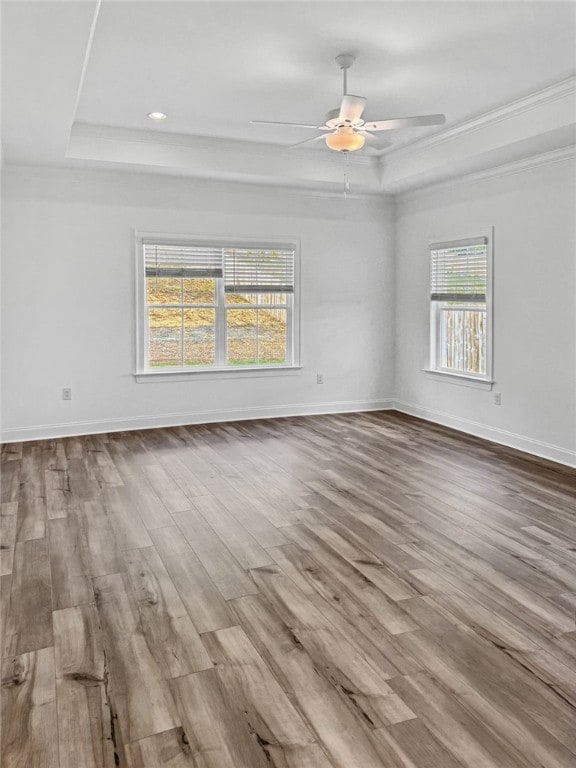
(173, 498)
(82, 484)
(340, 577)
(217, 736)
(462, 734)
(257, 524)
(71, 584)
(10, 472)
(391, 584)
(261, 702)
(8, 517)
(169, 749)
(342, 608)
(102, 546)
(278, 509)
(239, 541)
(223, 568)
(344, 736)
(125, 521)
(31, 519)
(506, 685)
(11, 451)
(166, 625)
(82, 738)
(31, 479)
(60, 501)
(343, 663)
(78, 649)
(189, 483)
(414, 745)
(477, 577)
(553, 672)
(29, 727)
(99, 463)
(139, 695)
(84, 722)
(204, 603)
(28, 624)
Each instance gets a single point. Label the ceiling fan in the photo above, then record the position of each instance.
(344, 129)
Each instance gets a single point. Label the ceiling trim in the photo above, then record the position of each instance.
(86, 59)
(534, 100)
(204, 142)
(505, 169)
(93, 172)
(564, 154)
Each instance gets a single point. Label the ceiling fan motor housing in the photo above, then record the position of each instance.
(333, 120)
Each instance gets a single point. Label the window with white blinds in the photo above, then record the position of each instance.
(165, 260)
(215, 306)
(459, 270)
(258, 271)
(460, 307)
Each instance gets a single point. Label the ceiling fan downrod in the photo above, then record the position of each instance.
(345, 61)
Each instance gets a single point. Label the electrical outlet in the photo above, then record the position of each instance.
(67, 393)
(319, 378)
(497, 398)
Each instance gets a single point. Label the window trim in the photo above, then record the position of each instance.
(142, 373)
(486, 380)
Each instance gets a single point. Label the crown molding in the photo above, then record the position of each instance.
(92, 172)
(75, 174)
(207, 143)
(505, 169)
(562, 89)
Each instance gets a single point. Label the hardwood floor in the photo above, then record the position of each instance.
(350, 591)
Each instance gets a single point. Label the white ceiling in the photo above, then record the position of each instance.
(214, 66)
(79, 78)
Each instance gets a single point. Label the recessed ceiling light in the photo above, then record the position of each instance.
(157, 116)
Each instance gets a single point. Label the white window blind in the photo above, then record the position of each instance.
(258, 271)
(165, 260)
(459, 270)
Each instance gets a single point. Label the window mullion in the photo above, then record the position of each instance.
(257, 336)
(220, 323)
(182, 337)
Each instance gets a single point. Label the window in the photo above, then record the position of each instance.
(214, 306)
(460, 327)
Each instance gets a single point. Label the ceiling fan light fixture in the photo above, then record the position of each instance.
(345, 140)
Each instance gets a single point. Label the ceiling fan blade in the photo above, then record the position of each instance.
(377, 142)
(404, 122)
(292, 125)
(351, 108)
(306, 141)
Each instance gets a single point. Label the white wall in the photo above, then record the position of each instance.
(533, 214)
(68, 299)
(68, 302)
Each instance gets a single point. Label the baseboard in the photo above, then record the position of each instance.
(494, 434)
(71, 429)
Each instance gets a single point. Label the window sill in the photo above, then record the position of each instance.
(213, 374)
(460, 378)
